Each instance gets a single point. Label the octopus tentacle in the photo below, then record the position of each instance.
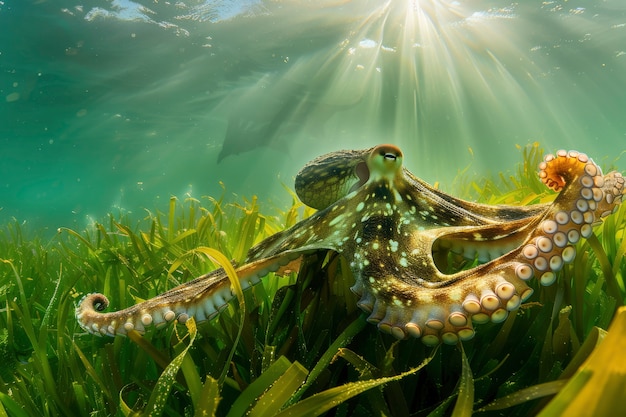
(202, 298)
(489, 291)
(403, 239)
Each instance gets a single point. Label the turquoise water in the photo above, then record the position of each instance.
(119, 105)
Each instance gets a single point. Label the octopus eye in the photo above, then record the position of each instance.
(385, 157)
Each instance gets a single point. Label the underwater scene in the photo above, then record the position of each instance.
(305, 208)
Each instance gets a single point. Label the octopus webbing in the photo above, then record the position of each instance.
(403, 240)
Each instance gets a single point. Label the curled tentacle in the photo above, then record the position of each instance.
(202, 298)
(586, 195)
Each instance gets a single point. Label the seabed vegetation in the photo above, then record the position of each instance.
(294, 345)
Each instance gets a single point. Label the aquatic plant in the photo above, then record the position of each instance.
(293, 345)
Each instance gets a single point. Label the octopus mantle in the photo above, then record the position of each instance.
(400, 237)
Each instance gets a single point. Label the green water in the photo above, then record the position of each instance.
(119, 105)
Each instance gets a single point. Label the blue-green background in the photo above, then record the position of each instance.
(119, 105)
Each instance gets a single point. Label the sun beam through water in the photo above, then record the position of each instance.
(198, 92)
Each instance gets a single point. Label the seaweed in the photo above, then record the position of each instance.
(294, 345)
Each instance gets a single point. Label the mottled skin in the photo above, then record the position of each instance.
(398, 235)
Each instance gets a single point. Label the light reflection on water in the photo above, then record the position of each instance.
(125, 103)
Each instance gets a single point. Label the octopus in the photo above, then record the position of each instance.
(425, 264)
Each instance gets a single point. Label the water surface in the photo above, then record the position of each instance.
(123, 104)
